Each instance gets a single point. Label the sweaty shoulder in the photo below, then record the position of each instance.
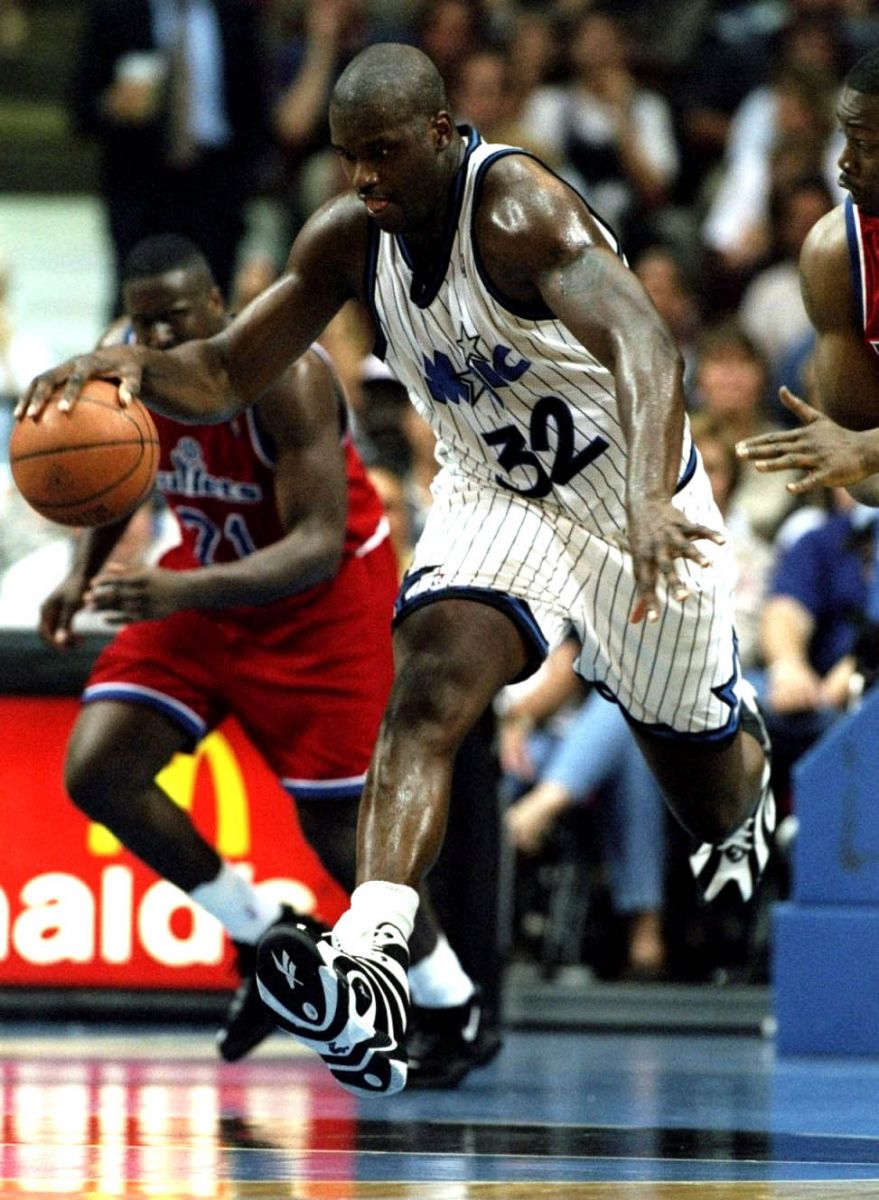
(825, 273)
(528, 220)
(334, 240)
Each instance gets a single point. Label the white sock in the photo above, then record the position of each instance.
(372, 904)
(439, 981)
(240, 908)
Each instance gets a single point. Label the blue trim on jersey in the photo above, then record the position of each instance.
(423, 289)
(724, 691)
(370, 272)
(528, 312)
(179, 713)
(343, 791)
(262, 443)
(854, 258)
(516, 610)
(689, 469)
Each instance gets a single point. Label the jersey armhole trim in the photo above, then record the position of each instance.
(853, 237)
(518, 611)
(528, 312)
(380, 345)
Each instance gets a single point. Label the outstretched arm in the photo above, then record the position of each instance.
(213, 379)
(540, 225)
(836, 445)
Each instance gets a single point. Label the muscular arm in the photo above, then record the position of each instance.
(213, 379)
(301, 415)
(837, 444)
(846, 370)
(539, 241)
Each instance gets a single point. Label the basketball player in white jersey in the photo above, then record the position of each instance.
(569, 494)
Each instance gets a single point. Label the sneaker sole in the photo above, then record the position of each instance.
(311, 1000)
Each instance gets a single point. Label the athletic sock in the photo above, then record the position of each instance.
(439, 980)
(373, 904)
(240, 908)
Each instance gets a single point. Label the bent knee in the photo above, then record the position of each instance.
(434, 702)
(99, 777)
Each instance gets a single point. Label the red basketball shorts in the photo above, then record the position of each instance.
(307, 677)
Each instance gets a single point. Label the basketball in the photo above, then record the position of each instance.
(90, 466)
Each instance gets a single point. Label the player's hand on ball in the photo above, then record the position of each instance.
(122, 364)
(125, 593)
(659, 535)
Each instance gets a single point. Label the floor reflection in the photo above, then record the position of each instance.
(573, 1117)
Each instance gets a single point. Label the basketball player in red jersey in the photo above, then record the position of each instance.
(275, 607)
(839, 278)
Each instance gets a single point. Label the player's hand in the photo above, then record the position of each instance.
(57, 612)
(829, 454)
(659, 535)
(120, 364)
(126, 593)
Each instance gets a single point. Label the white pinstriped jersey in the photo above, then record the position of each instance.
(530, 502)
(515, 399)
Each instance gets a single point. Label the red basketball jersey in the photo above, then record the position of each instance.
(863, 242)
(219, 482)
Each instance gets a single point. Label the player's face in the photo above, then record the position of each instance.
(166, 310)
(395, 168)
(858, 115)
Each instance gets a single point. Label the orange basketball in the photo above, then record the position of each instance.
(90, 466)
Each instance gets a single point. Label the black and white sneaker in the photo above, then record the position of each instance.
(248, 1022)
(351, 1009)
(445, 1044)
(740, 860)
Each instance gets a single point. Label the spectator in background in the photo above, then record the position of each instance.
(479, 94)
(659, 269)
(588, 757)
(482, 97)
(753, 555)
(798, 100)
(730, 384)
(391, 434)
(740, 48)
(23, 354)
(772, 310)
(811, 621)
(448, 31)
(172, 92)
(616, 137)
(14, 28)
(323, 39)
(533, 51)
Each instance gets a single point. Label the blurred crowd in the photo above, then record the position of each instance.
(705, 133)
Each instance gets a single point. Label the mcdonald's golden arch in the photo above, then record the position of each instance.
(76, 909)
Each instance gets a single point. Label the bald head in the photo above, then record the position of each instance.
(393, 77)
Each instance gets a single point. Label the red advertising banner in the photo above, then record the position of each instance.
(77, 910)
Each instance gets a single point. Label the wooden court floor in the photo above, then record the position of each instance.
(143, 1112)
